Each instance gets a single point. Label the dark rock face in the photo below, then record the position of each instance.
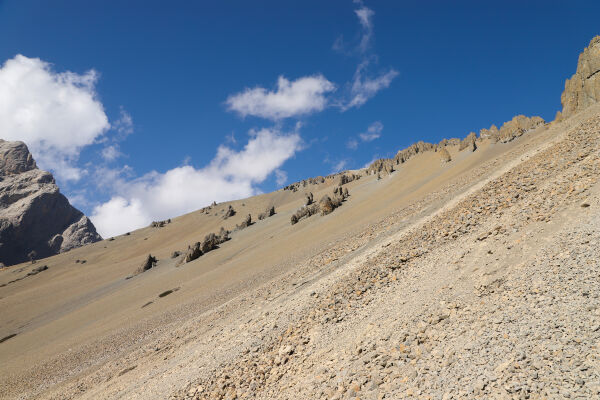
(34, 215)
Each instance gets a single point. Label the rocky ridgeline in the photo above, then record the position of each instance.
(510, 130)
(36, 220)
(294, 187)
(583, 89)
(535, 345)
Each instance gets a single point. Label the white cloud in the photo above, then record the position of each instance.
(230, 175)
(291, 99)
(124, 125)
(111, 153)
(340, 166)
(365, 16)
(364, 88)
(56, 114)
(280, 177)
(373, 132)
(352, 144)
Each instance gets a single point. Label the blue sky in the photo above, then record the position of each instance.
(180, 90)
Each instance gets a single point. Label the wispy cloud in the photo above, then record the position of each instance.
(303, 96)
(365, 17)
(340, 166)
(111, 152)
(352, 144)
(365, 87)
(373, 132)
(280, 177)
(365, 83)
(124, 125)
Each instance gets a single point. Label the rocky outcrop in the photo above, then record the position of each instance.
(229, 213)
(444, 155)
(419, 147)
(491, 133)
(583, 89)
(149, 263)
(468, 142)
(269, 212)
(34, 215)
(517, 127)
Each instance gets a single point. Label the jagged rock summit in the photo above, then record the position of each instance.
(35, 218)
(583, 89)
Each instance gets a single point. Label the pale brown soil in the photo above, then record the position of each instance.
(284, 311)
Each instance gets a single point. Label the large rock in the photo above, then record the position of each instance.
(34, 215)
(583, 89)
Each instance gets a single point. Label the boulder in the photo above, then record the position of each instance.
(34, 215)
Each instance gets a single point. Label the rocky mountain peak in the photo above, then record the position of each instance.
(35, 218)
(583, 89)
(15, 158)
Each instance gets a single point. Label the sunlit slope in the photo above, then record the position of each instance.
(80, 308)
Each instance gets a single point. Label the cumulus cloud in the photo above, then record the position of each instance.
(230, 175)
(56, 114)
(373, 132)
(291, 98)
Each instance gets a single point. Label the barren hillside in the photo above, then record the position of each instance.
(464, 270)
